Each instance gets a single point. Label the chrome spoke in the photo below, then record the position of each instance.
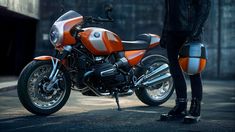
(38, 91)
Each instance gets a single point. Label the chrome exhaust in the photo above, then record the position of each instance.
(157, 75)
(158, 71)
(158, 80)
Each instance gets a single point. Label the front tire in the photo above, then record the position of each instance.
(157, 94)
(32, 90)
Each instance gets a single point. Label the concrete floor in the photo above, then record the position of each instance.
(83, 113)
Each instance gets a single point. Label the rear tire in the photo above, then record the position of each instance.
(143, 93)
(31, 93)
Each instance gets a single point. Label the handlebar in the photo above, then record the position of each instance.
(99, 19)
(91, 19)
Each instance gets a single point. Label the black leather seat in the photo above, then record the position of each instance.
(142, 42)
(135, 45)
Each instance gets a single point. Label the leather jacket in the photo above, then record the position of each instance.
(185, 15)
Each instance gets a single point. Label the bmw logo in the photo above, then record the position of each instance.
(97, 34)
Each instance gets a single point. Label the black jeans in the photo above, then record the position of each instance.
(174, 41)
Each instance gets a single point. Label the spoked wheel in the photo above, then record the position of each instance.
(158, 93)
(36, 91)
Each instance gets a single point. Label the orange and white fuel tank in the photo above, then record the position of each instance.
(100, 41)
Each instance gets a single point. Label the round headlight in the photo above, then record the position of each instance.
(54, 35)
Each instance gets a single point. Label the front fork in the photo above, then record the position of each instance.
(55, 66)
(53, 76)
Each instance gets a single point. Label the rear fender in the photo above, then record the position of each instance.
(155, 40)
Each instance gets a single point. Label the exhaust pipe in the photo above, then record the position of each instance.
(157, 80)
(156, 74)
(158, 71)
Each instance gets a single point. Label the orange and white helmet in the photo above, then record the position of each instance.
(192, 58)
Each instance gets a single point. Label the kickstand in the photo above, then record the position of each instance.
(117, 100)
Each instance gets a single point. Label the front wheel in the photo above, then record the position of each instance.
(34, 92)
(156, 94)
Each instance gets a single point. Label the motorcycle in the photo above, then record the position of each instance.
(95, 62)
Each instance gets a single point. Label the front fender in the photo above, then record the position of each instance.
(48, 58)
(45, 58)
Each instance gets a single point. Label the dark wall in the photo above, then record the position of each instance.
(133, 17)
(226, 38)
(17, 38)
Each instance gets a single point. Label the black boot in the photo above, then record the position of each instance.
(194, 112)
(178, 112)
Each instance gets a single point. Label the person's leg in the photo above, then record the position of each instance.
(180, 109)
(195, 108)
(196, 86)
(176, 72)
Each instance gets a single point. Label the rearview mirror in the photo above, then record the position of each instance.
(108, 8)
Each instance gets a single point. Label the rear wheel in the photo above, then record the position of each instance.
(156, 94)
(34, 92)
